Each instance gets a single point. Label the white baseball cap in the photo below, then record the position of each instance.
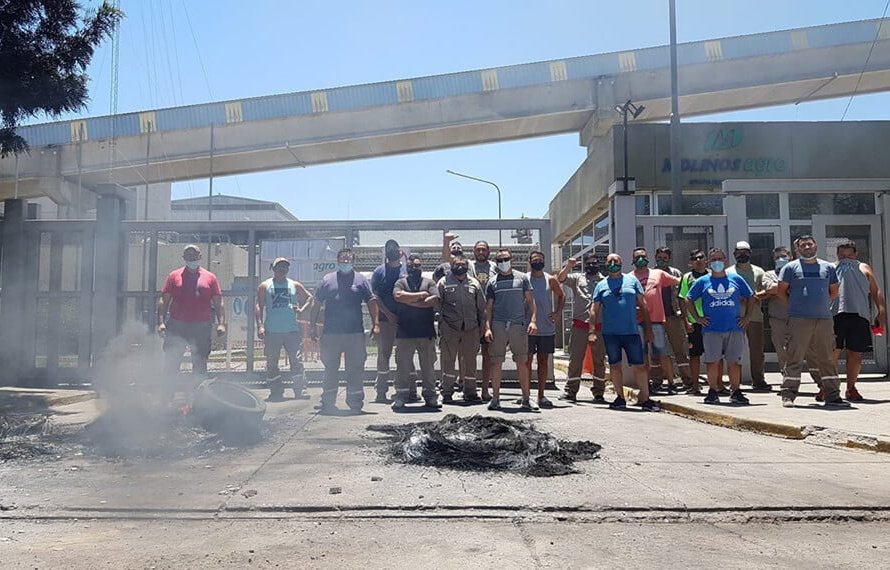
(743, 245)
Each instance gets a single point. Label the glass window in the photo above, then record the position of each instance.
(762, 244)
(762, 206)
(797, 231)
(601, 227)
(804, 206)
(642, 203)
(700, 204)
(640, 237)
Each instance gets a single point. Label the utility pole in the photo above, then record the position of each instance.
(676, 190)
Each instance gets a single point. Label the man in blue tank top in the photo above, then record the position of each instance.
(543, 344)
(278, 301)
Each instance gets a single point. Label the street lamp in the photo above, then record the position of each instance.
(635, 111)
(500, 237)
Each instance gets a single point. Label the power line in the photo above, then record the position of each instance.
(867, 58)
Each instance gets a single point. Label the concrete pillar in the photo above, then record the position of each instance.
(736, 221)
(110, 247)
(14, 289)
(622, 219)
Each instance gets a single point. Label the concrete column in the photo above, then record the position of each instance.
(110, 247)
(622, 220)
(736, 221)
(14, 289)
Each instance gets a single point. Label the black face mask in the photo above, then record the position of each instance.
(392, 255)
(743, 258)
(459, 269)
(591, 269)
(415, 272)
(537, 265)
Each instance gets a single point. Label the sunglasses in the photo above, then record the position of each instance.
(698, 258)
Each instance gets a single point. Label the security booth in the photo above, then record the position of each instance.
(764, 183)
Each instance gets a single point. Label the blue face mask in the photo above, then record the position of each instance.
(193, 265)
(781, 262)
(718, 266)
(344, 267)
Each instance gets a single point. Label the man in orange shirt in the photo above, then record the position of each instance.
(654, 282)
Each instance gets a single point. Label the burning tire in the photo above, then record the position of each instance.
(230, 410)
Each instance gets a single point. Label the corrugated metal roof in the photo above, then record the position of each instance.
(451, 85)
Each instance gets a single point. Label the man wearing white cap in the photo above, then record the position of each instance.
(753, 276)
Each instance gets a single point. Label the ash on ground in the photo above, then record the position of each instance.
(484, 443)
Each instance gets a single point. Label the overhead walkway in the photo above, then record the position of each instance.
(529, 100)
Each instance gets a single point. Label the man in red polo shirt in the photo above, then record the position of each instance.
(189, 294)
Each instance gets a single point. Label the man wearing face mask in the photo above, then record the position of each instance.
(727, 302)
(675, 322)
(192, 295)
(342, 293)
(810, 284)
(450, 249)
(462, 324)
(511, 315)
(542, 344)
(753, 276)
(483, 269)
(654, 282)
(382, 282)
(417, 299)
(582, 285)
(278, 302)
(698, 264)
(614, 304)
(858, 289)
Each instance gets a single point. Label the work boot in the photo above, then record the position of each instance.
(300, 387)
(381, 397)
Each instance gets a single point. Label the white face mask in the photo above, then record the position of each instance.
(503, 266)
(192, 264)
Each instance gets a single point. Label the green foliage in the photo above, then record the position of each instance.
(45, 48)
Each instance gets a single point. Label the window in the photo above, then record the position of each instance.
(601, 227)
(642, 204)
(804, 206)
(700, 204)
(797, 231)
(762, 206)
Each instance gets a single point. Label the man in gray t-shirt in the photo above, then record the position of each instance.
(511, 315)
(809, 284)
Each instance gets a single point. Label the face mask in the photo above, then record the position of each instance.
(344, 267)
(613, 267)
(661, 263)
(743, 258)
(591, 268)
(457, 252)
(192, 264)
(414, 272)
(392, 255)
(538, 265)
(641, 262)
(503, 266)
(459, 269)
(718, 266)
(781, 262)
(808, 258)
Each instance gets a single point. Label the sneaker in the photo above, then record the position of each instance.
(618, 404)
(724, 391)
(413, 397)
(432, 405)
(472, 398)
(837, 403)
(693, 391)
(738, 398)
(485, 397)
(655, 386)
(544, 403)
(355, 409)
(761, 387)
(853, 395)
(600, 399)
(787, 402)
(301, 394)
(566, 397)
(820, 395)
(381, 398)
(650, 406)
(526, 406)
(494, 404)
(447, 399)
(276, 396)
(398, 404)
(713, 397)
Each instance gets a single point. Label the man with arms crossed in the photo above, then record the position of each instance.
(542, 344)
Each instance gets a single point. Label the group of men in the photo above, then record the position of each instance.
(711, 313)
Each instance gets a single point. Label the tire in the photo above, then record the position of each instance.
(230, 410)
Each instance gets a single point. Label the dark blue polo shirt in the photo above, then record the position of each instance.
(342, 296)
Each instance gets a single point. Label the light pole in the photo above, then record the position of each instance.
(500, 236)
(636, 111)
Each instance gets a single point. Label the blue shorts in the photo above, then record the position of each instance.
(658, 346)
(630, 343)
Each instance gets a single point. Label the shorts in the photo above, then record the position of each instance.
(696, 343)
(515, 335)
(541, 344)
(632, 345)
(729, 345)
(852, 332)
(658, 346)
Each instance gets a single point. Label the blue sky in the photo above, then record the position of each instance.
(177, 52)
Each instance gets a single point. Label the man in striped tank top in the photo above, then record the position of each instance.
(542, 344)
(278, 301)
(852, 312)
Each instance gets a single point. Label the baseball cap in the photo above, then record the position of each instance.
(279, 260)
(191, 247)
(743, 245)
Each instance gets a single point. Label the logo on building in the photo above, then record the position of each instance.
(724, 139)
